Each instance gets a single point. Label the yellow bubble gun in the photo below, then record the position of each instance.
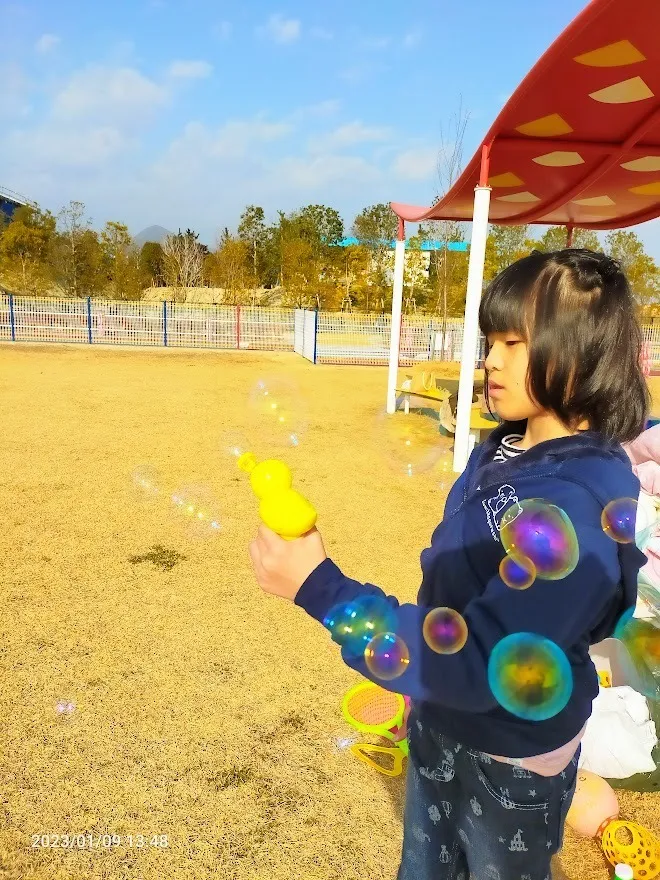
(281, 508)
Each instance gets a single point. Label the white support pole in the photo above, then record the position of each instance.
(395, 331)
(475, 279)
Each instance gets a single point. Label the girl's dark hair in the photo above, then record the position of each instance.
(577, 314)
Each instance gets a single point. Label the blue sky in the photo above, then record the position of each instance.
(181, 112)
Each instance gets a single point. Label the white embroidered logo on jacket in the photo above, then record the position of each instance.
(494, 508)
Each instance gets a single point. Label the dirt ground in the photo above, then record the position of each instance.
(202, 710)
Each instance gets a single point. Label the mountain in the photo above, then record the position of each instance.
(152, 233)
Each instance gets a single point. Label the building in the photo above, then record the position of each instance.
(9, 202)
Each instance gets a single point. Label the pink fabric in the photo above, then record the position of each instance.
(549, 764)
(644, 454)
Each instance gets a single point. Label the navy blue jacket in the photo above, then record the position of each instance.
(580, 474)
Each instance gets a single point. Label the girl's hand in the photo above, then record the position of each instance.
(282, 567)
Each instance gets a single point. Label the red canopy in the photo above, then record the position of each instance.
(578, 143)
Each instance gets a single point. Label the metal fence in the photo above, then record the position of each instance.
(107, 322)
(365, 339)
(321, 337)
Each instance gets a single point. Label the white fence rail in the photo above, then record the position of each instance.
(321, 337)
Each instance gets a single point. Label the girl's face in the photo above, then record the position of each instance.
(506, 367)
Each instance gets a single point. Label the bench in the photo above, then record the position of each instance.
(430, 386)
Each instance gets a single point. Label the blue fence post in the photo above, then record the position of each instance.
(431, 339)
(12, 319)
(165, 322)
(316, 330)
(89, 319)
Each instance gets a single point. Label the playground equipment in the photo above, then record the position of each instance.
(281, 508)
(594, 812)
(371, 709)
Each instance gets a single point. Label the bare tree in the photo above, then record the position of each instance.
(449, 167)
(183, 262)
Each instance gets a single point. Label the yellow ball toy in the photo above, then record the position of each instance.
(633, 845)
(281, 508)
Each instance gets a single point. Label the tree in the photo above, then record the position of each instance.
(640, 268)
(504, 246)
(151, 264)
(25, 250)
(352, 277)
(555, 238)
(321, 225)
(443, 264)
(415, 274)
(230, 268)
(183, 262)
(77, 255)
(375, 228)
(297, 263)
(121, 262)
(252, 229)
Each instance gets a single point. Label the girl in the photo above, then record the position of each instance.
(487, 791)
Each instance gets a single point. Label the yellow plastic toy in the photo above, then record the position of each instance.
(628, 842)
(371, 709)
(281, 508)
(594, 812)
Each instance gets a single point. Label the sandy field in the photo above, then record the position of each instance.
(204, 730)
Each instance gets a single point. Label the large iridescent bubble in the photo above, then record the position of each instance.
(530, 676)
(354, 624)
(387, 656)
(542, 533)
(445, 631)
(641, 639)
(618, 520)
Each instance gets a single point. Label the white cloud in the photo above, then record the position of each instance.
(49, 148)
(116, 94)
(190, 69)
(375, 43)
(312, 174)
(323, 108)
(320, 33)
(416, 163)
(360, 71)
(222, 30)
(280, 29)
(412, 39)
(46, 42)
(14, 91)
(234, 140)
(348, 135)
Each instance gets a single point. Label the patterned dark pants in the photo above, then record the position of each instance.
(469, 816)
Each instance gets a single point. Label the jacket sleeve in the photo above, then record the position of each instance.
(565, 610)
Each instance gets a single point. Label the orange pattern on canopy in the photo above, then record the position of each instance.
(589, 110)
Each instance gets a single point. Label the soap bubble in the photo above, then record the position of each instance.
(542, 533)
(517, 572)
(147, 481)
(618, 520)
(411, 444)
(65, 708)
(280, 410)
(445, 631)
(354, 624)
(387, 656)
(530, 676)
(234, 444)
(197, 511)
(445, 470)
(641, 639)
